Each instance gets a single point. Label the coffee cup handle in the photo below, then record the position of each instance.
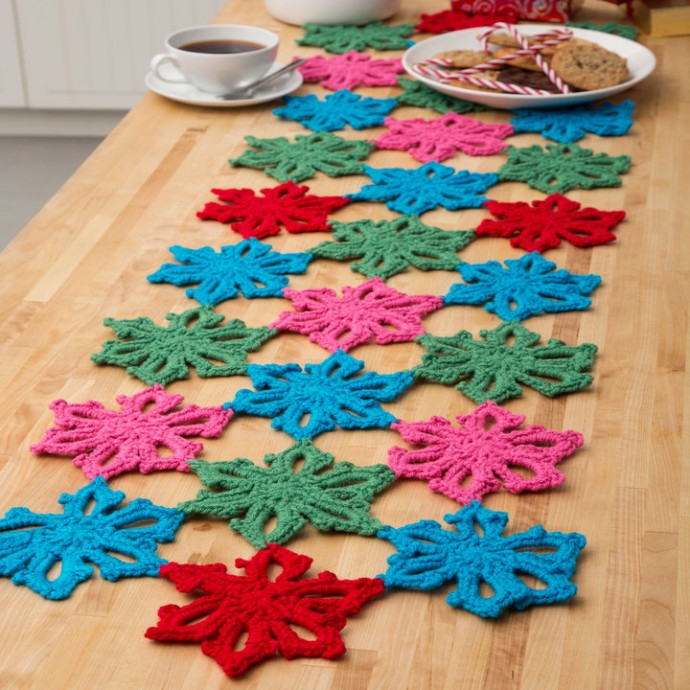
(161, 59)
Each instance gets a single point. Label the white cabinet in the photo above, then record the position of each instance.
(11, 89)
(87, 54)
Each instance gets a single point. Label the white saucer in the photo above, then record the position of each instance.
(187, 93)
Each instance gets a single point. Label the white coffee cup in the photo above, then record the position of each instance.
(217, 72)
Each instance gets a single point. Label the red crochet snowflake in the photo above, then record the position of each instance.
(264, 609)
(286, 205)
(106, 443)
(544, 224)
(451, 20)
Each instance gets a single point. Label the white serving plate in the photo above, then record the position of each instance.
(641, 63)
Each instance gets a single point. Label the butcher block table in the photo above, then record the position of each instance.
(85, 257)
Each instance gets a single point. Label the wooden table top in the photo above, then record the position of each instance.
(85, 257)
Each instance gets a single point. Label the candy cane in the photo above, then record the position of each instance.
(430, 68)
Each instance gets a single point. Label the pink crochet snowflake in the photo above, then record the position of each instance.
(440, 138)
(106, 443)
(370, 310)
(351, 69)
(487, 447)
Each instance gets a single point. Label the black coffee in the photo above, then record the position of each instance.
(220, 46)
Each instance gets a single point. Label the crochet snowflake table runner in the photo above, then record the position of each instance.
(350, 70)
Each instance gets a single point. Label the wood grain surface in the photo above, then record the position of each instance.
(86, 256)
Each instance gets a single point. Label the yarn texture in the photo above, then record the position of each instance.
(286, 206)
(568, 125)
(387, 247)
(302, 158)
(331, 496)
(562, 167)
(542, 225)
(106, 443)
(336, 111)
(31, 544)
(230, 605)
(250, 267)
(342, 38)
(454, 20)
(327, 395)
(196, 339)
(624, 30)
(485, 448)
(429, 556)
(350, 70)
(442, 137)
(413, 191)
(525, 287)
(366, 312)
(507, 358)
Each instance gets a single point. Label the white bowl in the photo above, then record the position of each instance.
(641, 63)
(332, 11)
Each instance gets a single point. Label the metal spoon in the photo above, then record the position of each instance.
(248, 91)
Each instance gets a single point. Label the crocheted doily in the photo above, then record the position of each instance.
(93, 528)
(106, 443)
(332, 497)
(370, 311)
(482, 453)
(388, 247)
(544, 224)
(194, 339)
(525, 287)
(341, 38)
(307, 402)
(507, 358)
(262, 605)
(350, 70)
(285, 206)
(476, 553)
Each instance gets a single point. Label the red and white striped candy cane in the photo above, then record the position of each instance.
(434, 66)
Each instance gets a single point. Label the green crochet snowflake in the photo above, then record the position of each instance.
(506, 360)
(341, 38)
(563, 167)
(299, 160)
(418, 94)
(195, 338)
(389, 247)
(332, 497)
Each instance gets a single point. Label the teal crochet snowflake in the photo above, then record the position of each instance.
(476, 552)
(305, 403)
(194, 339)
(568, 125)
(300, 486)
(341, 38)
(250, 267)
(338, 110)
(562, 167)
(508, 358)
(33, 544)
(413, 191)
(388, 247)
(526, 287)
(420, 95)
(323, 152)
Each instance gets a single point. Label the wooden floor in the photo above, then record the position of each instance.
(86, 256)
